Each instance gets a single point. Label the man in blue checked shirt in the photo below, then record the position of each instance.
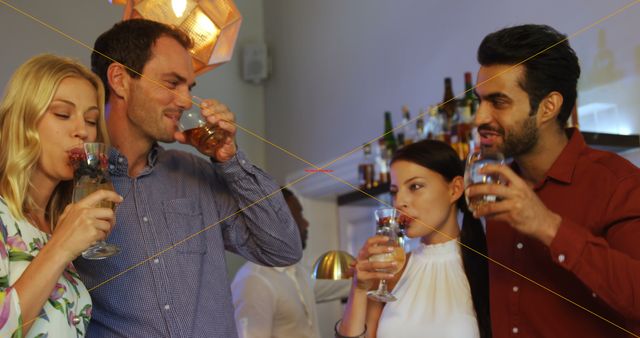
(170, 195)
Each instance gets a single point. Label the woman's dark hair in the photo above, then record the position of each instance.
(553, 64)
(441, 158)
(129, 43)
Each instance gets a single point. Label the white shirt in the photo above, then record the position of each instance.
(434, 297)
(280, 302)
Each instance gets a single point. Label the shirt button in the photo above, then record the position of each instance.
(75, 320)
(111, 166)
(120, 159)
(145, 219)
(519, 246)
(167, 307)
(593, 294)
(561, 258)
(156, 261)
(243, 161)
(515, 289)
(514, 330)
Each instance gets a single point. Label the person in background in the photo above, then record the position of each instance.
(442, 291)
(279, 302)
(568, 217)
(51, 105)
(180, 211)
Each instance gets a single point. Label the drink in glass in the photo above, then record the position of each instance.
(90, 164)
(476, 161)
(200, 134)
(387, 221)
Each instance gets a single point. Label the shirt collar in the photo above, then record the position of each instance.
(118, 164)
(563, 168)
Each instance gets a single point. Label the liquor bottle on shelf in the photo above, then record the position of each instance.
(448, 110)
(382, 159)
(455, 144)
(449, 104)
(438, 126)
(406, 134)
(389, 138)
(366, 169)
(470, 99)
(421, 133)
(464, 124)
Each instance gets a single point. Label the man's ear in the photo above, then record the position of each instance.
(549, 107)
(119, 80)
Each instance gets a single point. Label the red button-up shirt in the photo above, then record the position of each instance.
(594, 260)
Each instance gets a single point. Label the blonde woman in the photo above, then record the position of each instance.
(50, 106)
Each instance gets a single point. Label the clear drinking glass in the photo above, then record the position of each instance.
(387, 221)
(91, 173)
(475, 161)
(199, 133)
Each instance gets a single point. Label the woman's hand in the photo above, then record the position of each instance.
(366, 272)
(82, 224)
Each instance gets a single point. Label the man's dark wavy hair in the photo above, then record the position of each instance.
(553, 65)
(129, 43)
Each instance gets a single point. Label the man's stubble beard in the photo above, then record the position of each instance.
(520, 142)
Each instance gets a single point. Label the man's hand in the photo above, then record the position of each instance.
(222, 119)
(517, 205)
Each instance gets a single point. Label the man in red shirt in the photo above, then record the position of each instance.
(564, 234)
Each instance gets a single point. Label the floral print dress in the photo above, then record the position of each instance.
(67, 311)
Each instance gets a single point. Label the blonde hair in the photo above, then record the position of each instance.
(27, 97)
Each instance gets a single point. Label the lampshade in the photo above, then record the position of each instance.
(213, 25)
(334, 264)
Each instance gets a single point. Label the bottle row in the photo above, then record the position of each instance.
(449, 121)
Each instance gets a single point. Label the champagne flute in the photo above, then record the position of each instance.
(387, 220)
(476, 161)
(199, 133)
(91, 173)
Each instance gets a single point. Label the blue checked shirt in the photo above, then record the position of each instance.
(184, 292)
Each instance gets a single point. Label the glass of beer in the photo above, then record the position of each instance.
(476, 161)
(202, 135)
(91, 173)
(387, 221)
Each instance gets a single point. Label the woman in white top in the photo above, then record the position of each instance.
(442, 292)
(50, 106)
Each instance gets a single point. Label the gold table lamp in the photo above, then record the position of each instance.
(213, 25)
(334, 264)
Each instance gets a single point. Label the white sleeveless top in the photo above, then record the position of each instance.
(434, 297)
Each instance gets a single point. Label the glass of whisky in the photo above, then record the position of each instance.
(205, 137)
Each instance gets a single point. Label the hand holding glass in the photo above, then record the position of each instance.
(476, 161)
(91, 173)
(387, 221)
(199, 133)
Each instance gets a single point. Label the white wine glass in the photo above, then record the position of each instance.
(387, 221)
(91, 173)
(476, 161)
